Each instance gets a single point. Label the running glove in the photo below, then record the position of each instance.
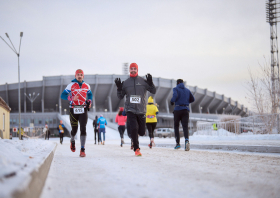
(172, 103)
(118, 83)
(149, 79)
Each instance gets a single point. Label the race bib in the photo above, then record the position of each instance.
(79, 110)
(135, 99)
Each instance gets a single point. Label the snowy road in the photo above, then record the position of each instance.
(114, 171)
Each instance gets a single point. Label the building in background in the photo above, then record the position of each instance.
(4, 119)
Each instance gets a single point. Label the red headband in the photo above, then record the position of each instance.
(79, 71)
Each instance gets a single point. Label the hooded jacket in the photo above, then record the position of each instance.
(139, 87)
(152, 111)
(182, 97)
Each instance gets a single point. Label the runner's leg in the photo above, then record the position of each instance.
(83, 118)
(185, 123)
(132, 129)
(177, 119)
(74, 124)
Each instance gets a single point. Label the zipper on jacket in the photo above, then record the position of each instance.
(135, 93)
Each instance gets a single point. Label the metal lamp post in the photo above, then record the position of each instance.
(32, 98)
(18, 54)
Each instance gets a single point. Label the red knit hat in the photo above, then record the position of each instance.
(121, 108)
(79, 71)
(133, 65)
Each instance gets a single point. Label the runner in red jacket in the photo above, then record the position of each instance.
(121, 120)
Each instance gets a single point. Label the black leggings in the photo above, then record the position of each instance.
(61, 136)
(82, 118)
(121, 129)
(96, 133)
(151, 127)
(135, 127)
(183, 116)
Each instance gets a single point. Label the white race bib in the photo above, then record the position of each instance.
(135, 99)
(79, 110)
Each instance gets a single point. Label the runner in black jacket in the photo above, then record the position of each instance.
(135, 89)
(95, 126)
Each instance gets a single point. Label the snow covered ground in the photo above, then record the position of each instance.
(113, 171)
(18, 159)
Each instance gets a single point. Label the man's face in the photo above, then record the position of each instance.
(133, 70)
(79, 77)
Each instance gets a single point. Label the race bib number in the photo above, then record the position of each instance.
(135, 99)
(79, 110)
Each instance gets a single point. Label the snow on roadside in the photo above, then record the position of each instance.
(18, 159)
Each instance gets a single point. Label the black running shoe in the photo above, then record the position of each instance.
(72, 146)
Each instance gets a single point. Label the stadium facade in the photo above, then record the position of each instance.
(48, 104)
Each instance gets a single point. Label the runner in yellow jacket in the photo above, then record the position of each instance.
(151, 119)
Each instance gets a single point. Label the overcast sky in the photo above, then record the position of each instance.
(208, 43)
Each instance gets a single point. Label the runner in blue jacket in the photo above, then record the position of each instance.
(102, 122)
(182, 97)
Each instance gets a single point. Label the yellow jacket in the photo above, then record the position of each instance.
(151, 111)
(22, 131)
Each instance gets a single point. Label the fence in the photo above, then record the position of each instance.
(33, 132)
(257, 124)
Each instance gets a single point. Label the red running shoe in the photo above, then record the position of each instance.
(137, 153)
(72, 146)
(82, 152)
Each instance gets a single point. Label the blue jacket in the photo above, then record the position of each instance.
(182, 97)
(102, 122)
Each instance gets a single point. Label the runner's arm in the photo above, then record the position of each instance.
(121, 93)
(151, 88)
(191, 99)
(65, 94)
(175, 95)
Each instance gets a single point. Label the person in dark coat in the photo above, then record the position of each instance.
(95, 126)
(182, 97)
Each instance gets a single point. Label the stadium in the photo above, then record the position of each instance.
(48, 107)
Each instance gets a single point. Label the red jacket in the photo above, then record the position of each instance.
(121, 120)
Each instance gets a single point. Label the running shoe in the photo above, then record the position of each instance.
(177, 146)
(131, 145)
(150, 145)
(137, 153)
(82, 152)
(153, 142)
(72, 146)
(103, 142)
(187, 145)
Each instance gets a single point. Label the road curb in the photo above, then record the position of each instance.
(37, 182)
(241, 148)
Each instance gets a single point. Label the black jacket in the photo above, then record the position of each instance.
(136, 86)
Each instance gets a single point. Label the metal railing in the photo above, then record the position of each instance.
(257, 124)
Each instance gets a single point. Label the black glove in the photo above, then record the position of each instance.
(118, 83)
(88, 102)
(172, 103)
(149, 79)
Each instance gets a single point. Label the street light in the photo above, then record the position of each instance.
(18, 54)
(65, 111)
(223, 110)
(32, 98)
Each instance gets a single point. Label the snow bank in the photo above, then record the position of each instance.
(18, 159)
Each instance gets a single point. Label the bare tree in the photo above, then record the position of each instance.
(260, 95)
